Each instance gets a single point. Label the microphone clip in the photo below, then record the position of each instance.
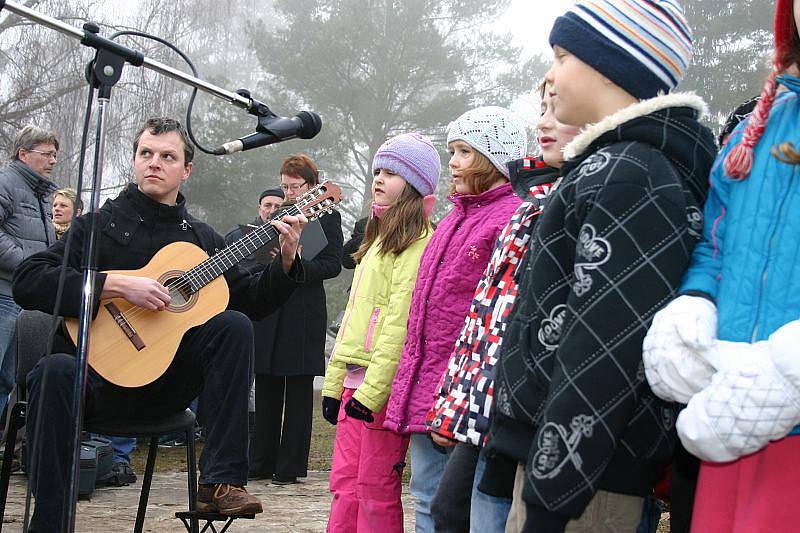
(256, 108)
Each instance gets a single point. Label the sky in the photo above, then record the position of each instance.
(530, 22)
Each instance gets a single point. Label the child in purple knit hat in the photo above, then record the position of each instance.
(367, 469)
(412, 156)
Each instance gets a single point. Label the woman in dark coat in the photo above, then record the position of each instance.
(290, 349)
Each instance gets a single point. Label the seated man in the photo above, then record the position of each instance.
(212, 361)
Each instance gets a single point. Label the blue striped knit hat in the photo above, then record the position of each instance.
(643, 46)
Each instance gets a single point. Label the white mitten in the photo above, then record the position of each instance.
(674, 349)
(784, 349)
(747, 404)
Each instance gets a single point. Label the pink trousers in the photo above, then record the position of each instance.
(758, 493)
(366, 475)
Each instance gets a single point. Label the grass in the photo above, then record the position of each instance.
(322, 435)
(174, 459)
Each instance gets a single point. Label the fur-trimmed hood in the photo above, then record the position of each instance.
(669, 122)
(587, 136)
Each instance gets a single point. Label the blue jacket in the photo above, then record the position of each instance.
(748, 260)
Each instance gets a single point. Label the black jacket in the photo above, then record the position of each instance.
(132, 228)
(352, 245)
(609, 250)
(291, 341)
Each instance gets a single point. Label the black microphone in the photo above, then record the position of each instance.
(304, 125)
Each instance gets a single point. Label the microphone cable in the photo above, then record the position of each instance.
(136, 33)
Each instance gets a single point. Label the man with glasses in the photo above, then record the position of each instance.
(26, 227)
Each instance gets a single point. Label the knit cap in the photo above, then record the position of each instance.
(740, 158)
(643, 46)
(414, 158)
(492, 131)
(741, 112)
(275, 191)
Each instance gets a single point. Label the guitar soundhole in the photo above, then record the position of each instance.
(180, 291)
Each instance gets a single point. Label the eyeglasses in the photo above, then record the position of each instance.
(48, 155)
(294, 187)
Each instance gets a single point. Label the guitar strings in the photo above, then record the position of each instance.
(206, 267)
(186, 279)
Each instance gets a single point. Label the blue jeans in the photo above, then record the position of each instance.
(8, 347)
(123, 446)
(487, 513)
(651, 515)
(427, 466)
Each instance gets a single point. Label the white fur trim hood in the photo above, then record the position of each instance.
(581, 142)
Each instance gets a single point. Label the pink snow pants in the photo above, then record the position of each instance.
(757, 493)
(366, 475)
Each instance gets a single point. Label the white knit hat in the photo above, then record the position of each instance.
(494, 132)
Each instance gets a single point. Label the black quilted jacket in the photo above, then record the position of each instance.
(610, 249)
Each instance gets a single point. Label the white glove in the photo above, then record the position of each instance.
(675, 347)
(747, 404)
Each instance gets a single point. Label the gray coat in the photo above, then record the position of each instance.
(26, 225)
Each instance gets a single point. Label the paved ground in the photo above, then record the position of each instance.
(290, 508)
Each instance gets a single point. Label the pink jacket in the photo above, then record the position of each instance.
(450, 269)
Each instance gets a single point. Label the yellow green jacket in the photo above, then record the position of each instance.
(374, 326)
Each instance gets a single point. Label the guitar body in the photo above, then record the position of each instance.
(139, 352)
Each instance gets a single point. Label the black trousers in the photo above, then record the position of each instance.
(213, 360)
(282, 435)
(451, 504)
(685, 469)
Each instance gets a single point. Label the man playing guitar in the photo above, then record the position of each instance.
(213, 360)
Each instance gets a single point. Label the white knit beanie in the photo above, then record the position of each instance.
(494, 132)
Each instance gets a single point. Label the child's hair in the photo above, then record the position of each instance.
(402, 224)
(787, 52)
(480, 176)
(786, 153)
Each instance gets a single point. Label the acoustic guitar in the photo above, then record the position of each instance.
(131, 346)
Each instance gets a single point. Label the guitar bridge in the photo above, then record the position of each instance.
(125, 326)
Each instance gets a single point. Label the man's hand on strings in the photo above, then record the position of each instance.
(143, 292)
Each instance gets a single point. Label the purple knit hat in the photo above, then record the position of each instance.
(414, 158)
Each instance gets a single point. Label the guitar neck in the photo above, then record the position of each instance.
(216, 265)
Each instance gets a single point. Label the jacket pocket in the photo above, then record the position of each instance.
(373, 321)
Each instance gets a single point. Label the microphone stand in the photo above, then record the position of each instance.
(103, 73)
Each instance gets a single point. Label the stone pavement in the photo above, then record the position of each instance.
(290, 508)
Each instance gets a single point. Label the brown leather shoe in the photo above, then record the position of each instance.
(226, 499)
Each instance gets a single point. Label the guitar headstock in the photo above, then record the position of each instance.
(319, 200)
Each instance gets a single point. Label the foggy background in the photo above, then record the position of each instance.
(370, 68)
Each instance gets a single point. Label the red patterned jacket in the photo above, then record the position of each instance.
(463, 398)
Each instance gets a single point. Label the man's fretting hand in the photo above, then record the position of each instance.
(289, 227)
